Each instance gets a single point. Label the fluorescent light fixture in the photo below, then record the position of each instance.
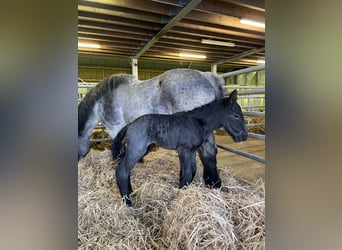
(253, 23)
(89, 45)
(192, 55)
(214, 42)
(260, 61)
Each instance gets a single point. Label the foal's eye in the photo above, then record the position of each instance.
(236, 117)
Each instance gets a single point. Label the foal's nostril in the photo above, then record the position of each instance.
(244, 136)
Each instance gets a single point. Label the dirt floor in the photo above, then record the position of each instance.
(241, 167)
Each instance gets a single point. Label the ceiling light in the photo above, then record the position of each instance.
(253, 23)
(192, 55)
(214, 42)
(89, 45)
(260, 61)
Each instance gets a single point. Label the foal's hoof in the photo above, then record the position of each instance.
(212, 184)
(126, 200)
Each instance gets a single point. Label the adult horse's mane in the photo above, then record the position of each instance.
(106, 86)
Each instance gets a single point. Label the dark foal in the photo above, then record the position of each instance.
(184, 132)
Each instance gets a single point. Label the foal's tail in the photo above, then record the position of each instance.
(118, 147)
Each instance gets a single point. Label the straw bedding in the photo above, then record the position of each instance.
(163, 216)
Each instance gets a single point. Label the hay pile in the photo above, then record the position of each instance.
(163, 216)
(258, 129)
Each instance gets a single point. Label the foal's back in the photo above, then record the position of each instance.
(167, 131)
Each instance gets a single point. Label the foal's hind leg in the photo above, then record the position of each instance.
(187, 159)
(118, 150)
(123, 171)
(207, 153)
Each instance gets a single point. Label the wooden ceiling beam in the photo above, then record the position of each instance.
(117, 19)
(111, 40)
(227, 21)
(148, 6)
(209, 34)
(196, 38)
(231, 9)
(252, 4)
(110, 33)
(217, 29)
(110, 9)
(224, 8)
(113, 27)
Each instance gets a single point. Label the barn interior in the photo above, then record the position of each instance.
(146, 38)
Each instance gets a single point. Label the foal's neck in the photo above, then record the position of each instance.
(211, 116)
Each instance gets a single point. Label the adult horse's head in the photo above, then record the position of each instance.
(233, 120)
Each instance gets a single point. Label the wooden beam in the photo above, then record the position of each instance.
(118, 19)
(112, 27)
(253, 4)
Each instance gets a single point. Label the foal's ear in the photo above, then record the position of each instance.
(232, 97)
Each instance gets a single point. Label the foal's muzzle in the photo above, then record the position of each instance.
(241, 137)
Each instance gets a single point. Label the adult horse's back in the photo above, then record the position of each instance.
(120, 99)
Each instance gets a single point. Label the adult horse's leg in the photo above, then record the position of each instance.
(84, 135)
(187, 159)
(207, 153)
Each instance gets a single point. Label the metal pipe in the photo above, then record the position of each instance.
(242, 71)
(244, 154)
(251, 92)
(254, 114)
(242, 87)
(257, 136)
(90, 85)
(254, 124)
(100, 140)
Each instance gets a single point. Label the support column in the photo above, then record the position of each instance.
(214, 68)
(134, 62)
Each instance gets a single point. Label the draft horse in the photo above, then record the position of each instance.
(184, 132)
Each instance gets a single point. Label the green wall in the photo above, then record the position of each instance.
(249, 79)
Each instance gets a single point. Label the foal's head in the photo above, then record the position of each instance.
(233, 120)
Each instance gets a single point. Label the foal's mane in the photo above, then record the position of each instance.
(209, 107)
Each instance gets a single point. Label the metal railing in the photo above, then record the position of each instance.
(255, 98)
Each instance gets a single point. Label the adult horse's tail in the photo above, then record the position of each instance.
(88, 116)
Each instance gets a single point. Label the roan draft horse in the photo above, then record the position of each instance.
(184, 132)
(120, 99)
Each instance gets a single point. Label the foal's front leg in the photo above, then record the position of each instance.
(207, 153)
(187, 159)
